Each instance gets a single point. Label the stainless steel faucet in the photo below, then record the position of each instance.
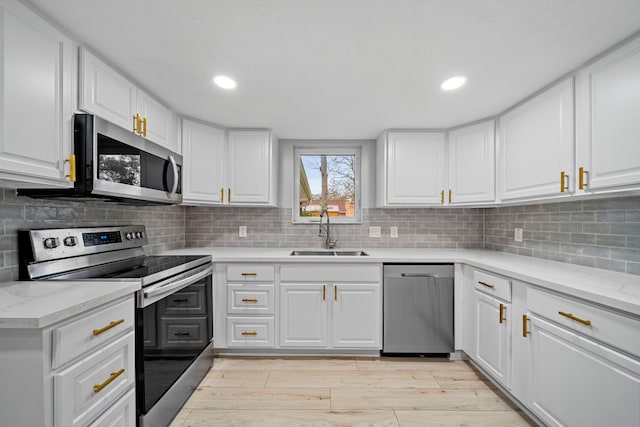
(328, 244)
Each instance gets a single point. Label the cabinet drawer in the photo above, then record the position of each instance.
(331, 273)
(250, 298)
(91, 331)
(250, 272)
(121, 414)
(183, 332)
(616, 329)
(191, 300)
(250, 332)
(491, 284)
(86, 389)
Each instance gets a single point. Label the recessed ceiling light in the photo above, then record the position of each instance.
(224, 82)
(453, 83)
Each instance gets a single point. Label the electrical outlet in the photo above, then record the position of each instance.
(394, 232)
(242, 231)
(517, 234)
(374, 231)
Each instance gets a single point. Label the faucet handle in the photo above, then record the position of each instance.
(332, 244)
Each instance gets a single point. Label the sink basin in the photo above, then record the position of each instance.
(312, 253)
(351, 253)
(329, 253)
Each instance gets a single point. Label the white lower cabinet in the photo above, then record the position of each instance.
(324, 306)
(77, 372)
(570, 362)
(574, 381)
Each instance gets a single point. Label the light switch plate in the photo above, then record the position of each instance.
(374, 231)
(394, 232)
(242, 231)
(517, 234)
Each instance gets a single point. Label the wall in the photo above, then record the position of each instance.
(164, 224)
(602, 233)
(272, 227)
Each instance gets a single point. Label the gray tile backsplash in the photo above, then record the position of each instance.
(164, 224)
(602, 233)
(272, 227)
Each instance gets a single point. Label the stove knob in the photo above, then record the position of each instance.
(138, 235)
(141, 235)
(70, 241)
(51, 243)
(128, 236)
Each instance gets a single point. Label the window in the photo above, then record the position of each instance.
(327, 178)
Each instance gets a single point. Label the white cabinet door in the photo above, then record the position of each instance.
(159, 124)
(607, 120)
(37, 69)
(536, 145)
(412, 169)
(204, 163)
(577, 382)
(303, 315)
(493, 337)
(251, 175)
(472, 164)
(357, 316)
(105, 93)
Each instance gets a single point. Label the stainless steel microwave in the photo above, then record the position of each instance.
(115, 164)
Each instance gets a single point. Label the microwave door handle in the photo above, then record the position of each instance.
(153, 293)
(174, 166)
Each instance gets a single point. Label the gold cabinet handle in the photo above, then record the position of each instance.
(335, 292)
(450, 195)
(324, 292)
(72, 168)
(564, 182)
(144, 126)
(229, 195)
(581, 174)
(524, 326)
(442, 197)
(249, 333)
(248, 274)
(222, 195)
(577, 319)
(502, 309)
(488, 285)
(249, 300)
(136, 123)
(97, 332)
(113, 376)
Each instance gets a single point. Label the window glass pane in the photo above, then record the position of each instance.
(328, 181)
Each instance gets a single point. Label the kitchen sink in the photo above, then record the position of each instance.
(329, 253)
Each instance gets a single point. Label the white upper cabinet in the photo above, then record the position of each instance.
(251, 172)
(608, 121)
(411, 168)
(536, 146)
(106, 93)
(236, 167)
(37, 75)
(472, 164)
(204, 161)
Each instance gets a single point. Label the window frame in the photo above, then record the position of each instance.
(328, 150)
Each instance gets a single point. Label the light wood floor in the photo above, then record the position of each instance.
(346, 392)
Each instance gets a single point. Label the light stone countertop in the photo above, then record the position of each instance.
(38, 304)
(617, 290)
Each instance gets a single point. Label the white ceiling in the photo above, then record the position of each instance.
(344, 69)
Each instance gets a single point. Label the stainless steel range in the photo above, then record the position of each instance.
(174, 320)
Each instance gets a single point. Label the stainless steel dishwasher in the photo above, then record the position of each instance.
(418, 309)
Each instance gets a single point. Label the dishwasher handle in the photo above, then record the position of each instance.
(432, 276)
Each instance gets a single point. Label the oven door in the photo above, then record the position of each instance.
(174, 324)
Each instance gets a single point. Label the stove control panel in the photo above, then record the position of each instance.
(57, 243)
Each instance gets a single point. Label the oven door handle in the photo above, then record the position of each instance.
(156, 292)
